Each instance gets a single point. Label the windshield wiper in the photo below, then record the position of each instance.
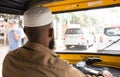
(111, 44)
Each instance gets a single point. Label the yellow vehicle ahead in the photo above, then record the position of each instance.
(91, 14)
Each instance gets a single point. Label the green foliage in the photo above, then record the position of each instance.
(76, 18)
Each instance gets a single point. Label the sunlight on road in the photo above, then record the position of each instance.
(3, 52)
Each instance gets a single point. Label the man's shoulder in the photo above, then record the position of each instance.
(59, 63)
(12, 52)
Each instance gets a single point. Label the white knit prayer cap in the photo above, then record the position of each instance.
(37, 16)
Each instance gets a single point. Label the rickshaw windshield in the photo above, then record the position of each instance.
(99, 28)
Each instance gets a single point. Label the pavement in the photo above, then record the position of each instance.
(3, 52)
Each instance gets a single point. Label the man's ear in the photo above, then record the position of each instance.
(51, 32)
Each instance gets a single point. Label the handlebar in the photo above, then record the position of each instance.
(83, 66)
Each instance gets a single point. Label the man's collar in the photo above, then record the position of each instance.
(38, 48)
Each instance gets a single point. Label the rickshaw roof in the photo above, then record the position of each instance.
(18, 6)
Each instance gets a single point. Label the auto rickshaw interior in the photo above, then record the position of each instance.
(87, 32)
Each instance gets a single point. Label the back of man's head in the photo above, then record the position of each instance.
(38, 25)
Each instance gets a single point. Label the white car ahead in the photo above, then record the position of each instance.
(78, 37)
